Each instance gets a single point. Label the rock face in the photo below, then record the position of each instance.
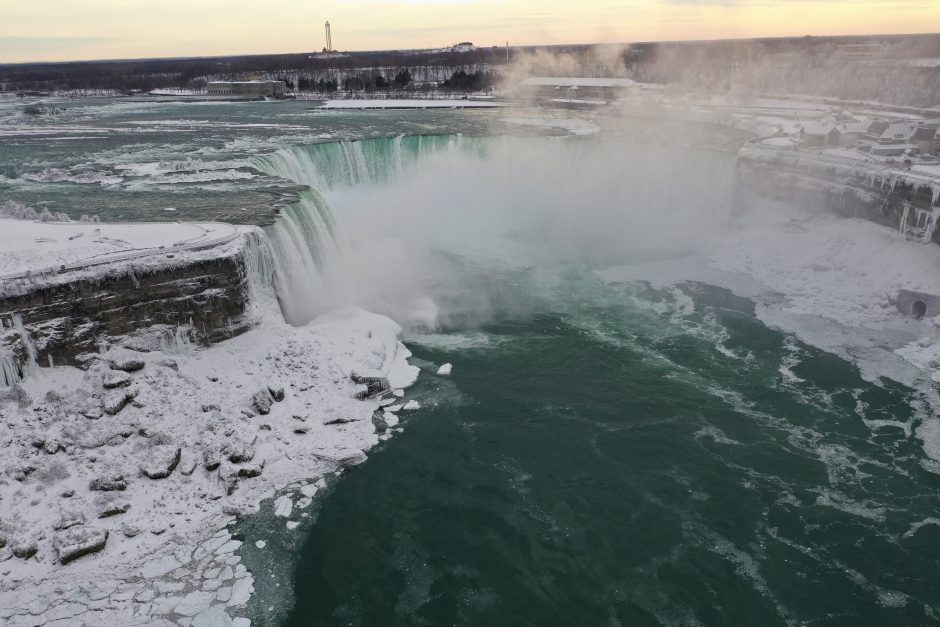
(68, 313)
(161, 461)
(74, 543)
(849, 192)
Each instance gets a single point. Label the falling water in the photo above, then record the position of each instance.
(304, 242)
(329, 165)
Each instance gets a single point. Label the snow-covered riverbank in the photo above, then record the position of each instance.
(140, 462)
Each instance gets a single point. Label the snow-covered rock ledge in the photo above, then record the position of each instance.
(73, 286)
(118, 482)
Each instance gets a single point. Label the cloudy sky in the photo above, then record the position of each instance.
(108, 29)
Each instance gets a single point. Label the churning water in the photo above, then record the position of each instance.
(616, 455)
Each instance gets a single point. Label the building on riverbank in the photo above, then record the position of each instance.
(247, 89)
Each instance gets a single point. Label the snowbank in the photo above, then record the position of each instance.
(144, 458)
(411, 104)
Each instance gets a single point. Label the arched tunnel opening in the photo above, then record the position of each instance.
(919, 309)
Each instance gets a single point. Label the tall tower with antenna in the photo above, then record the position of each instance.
(329, 39)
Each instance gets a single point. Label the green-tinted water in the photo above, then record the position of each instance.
(629, 458)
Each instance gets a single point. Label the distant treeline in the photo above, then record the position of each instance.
(313, 70)
(900, 69)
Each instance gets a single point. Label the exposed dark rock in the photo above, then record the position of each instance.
(251, 470)
(108, 483)
(170, 363)
(74, 543)
(68, 316)
(210, 407)
(211, 460)
(116, 379)
(301, 430)
(277, 393)
(161, 461)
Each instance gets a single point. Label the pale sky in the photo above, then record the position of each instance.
(54, 30)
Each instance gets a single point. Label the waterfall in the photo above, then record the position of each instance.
(178, 341)
(930, 223)
(10, 371)
(304, 239)
(330, 165)
(304, 243)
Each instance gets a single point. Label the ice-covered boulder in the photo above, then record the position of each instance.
(127, 364)
(211, 459)
(251, 470)
(108, 483)
(261, 402)
(68, 520)
(25, 548)
(115, 400)
(445, 370)
(161, 461)
(238, 451)
(116, 379)
(111, 505)
(76, 542)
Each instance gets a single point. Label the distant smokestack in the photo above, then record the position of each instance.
(329, 39)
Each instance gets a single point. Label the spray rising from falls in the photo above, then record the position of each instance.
(305, 240)
(417, 214)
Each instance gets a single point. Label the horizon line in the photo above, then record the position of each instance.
(562, 45)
